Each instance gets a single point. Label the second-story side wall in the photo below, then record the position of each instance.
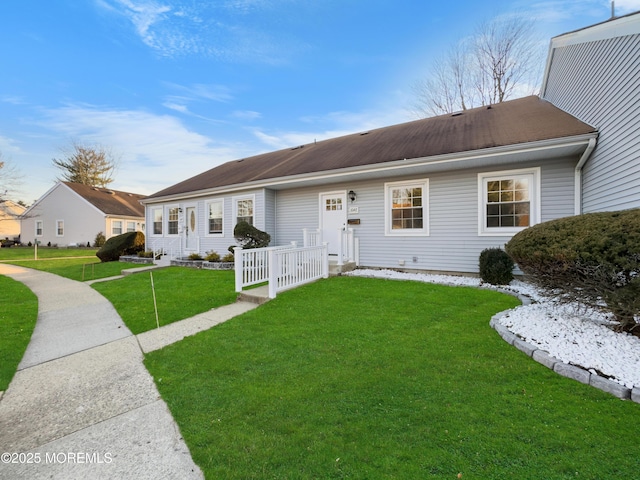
(595, 75)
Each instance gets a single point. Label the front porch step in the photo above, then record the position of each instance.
(335, 269)
(163, 261)
(257, 295)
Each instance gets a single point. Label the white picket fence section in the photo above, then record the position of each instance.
(282, 267)
(347, 248)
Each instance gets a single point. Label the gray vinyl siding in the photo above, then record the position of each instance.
(453, 244)
(264, 209)
(599, 83)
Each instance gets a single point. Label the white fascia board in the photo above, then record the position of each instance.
(618, 27)
(392, 166)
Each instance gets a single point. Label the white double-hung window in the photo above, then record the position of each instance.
(215, 217)
(407, 207)
(156, 219)
(244, 209)
(172, 221)
(509, 201)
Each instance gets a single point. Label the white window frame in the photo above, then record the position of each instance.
(113, 227)
(153, 222)
(533, 175)
(388, 199)
(59, 226)
(41, 223)
(207, 204)
(130, 226)
(167, 213)
(237, 199)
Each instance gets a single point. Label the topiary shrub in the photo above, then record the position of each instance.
(593, 259)
(250, 237)
(130, 243)
(195, 256)
(496, 267)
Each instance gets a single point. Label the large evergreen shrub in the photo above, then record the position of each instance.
(496, 267)
(593, 259)
(130, 243)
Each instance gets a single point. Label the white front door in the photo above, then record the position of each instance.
(333, 218)
(191, 241)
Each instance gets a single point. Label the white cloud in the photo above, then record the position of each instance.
(623, 7)
(233, 31)
(331, 125)
(246, 115)
(156, 150)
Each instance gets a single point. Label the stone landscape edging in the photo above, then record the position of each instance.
(568, 370)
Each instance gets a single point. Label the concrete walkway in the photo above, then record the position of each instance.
(82, 405)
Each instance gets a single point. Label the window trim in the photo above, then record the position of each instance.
(129, 223)
(153, 223)
(41, 222)
(206, 215)
(534, 200)
(113, 222)
(235, 200)
(408, 232)
(168, 209)
(58, 223)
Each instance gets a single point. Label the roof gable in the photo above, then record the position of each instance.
(520, 121)
(110, 202)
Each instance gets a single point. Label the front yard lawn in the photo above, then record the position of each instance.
(367, 378)
(180, 293)
(18, 317)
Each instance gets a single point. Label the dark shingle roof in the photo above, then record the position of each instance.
(110, 202)
(524, 120)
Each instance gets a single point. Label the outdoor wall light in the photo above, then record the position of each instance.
(352, 195)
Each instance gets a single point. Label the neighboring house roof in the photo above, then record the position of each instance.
(110, 202)
(522, 121)
(11, 209)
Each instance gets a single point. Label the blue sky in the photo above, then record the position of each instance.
(175, 87)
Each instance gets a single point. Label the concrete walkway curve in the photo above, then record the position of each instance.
(82, 404)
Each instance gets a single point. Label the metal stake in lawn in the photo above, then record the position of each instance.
(155, 306)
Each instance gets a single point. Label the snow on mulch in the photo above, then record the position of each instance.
(568, 332)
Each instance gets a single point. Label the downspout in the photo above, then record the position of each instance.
(577, 209)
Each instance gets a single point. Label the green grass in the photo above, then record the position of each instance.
(18, 317)
(180, 293)
(28, 253)
(79, 264)
(80, 269)
(363, 378)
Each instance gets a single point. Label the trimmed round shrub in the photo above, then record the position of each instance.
(593, 259)
(250, 237)
(130, 243)
(496, 267)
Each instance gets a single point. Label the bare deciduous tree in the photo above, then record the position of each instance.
(92, 165)
(501, 60)
(10, 178)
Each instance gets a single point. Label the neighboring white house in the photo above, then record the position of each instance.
(10, 219)
(72, 214)
(432, 194)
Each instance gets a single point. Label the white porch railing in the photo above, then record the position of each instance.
(160, 248)
(347, 247)
(282, 267)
